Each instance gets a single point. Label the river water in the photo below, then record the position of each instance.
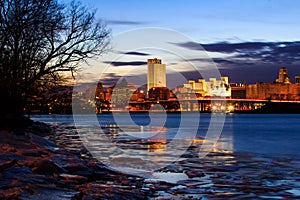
(268, 134)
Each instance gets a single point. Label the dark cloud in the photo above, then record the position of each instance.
(252, 61)
(215, 60)
(123, 63)
(225, 47)
(124, 22)
(272, 52)
(136, 53)
(190, 45)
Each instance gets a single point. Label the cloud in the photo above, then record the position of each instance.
(272, 52)
(124, 22)
(252, 61)
(124, 63)
(136, 53)
(190, 45)
(225, 47)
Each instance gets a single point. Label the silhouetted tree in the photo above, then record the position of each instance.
(38, 40)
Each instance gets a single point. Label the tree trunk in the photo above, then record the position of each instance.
(11, 112)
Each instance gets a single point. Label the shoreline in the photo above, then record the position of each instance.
(33, 167)
(60, 167)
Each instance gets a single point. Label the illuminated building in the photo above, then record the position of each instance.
(199, 87)
(219, 88)
(121, 94)
(213, 87)
(156, 74)
(275, 91)
(159, 93)
(283, 76)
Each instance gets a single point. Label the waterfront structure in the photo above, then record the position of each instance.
(156, 76)
(191, 96)
(238, 91)
(273, 91)
(212, 87)
(121, 94)
(282, 89)
(159, 93)
(199, 87)
(220, 88)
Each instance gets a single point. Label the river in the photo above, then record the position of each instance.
(270, 134)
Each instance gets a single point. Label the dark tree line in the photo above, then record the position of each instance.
(39, 39)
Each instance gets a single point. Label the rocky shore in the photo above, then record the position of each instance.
(34, 168)
(50, 162)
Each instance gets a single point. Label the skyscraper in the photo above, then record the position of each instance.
(156, 74)
(283, 76)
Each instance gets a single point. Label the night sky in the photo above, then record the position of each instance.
(247, 40)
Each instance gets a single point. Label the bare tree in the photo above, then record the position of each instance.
(38, 40)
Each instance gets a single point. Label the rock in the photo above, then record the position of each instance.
(41, 165)
(41, 129)
(7, 148)
(195, 173)
(87, 197)
(232, 195)
(16, 172)
(33, 152)
(193, 183)
(97, 190)
(173, 168)
(42, 142)
(72, 165)
(251, 188)
(34, 180)
(6, 164)
(13, 177)
(221, 168)
(47, 166)
(52, 194)
(10, 193)
(128, 161)
(72, 179)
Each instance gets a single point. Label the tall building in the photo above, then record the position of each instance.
(156, 74)
(297, 79)
(283, 76)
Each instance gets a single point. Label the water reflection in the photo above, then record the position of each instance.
(226, 141)
(157, 145)
(149, 142)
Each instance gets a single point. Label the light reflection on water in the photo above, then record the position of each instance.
(271, 134)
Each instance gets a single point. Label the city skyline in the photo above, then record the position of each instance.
(110, 99)
(248, 41)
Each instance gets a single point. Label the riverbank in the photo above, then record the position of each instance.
(50, 162)
(33, 167)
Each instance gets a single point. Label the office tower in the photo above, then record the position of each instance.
(156, 74)
(283, 76)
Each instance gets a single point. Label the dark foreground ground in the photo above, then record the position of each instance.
(35, 168)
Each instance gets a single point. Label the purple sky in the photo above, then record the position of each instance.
(248, 40)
